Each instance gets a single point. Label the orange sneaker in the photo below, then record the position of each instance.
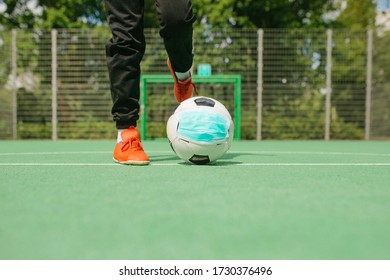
(182, 89)
(130, 150)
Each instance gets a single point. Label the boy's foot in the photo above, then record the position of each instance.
(129, 150)
(182, 89)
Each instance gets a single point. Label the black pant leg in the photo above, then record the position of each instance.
(176, 19)
(124, 53)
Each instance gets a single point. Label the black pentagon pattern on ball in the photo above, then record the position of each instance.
(204, 101)
(170, 143)
(197, 159)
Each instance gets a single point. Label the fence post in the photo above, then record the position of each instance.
(54, 135)
(329, 34)
(260, 50)
(14, 89)
(368, 85)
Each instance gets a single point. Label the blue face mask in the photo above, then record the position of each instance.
(203, 127)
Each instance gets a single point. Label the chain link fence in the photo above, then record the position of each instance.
(296, 83)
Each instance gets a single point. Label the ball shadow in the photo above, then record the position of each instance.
(226, 160)
(163, 157)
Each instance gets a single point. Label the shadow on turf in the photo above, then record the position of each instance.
(226, 159)
(216, 163)
(163, 158)
(234, 155)
(220, 162)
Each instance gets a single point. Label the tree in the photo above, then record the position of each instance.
(18, 14)
(349, 60)
(264, 13)
(358, 15)
(52, 13)
(223, 13)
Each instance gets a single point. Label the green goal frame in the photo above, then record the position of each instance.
(214, 79)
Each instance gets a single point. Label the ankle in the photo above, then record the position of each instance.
(183, 76)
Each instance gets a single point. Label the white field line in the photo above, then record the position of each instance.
(311, 153)
(177, 164)
(55, 153)
(171, 152)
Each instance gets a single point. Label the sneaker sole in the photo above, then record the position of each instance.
(132, 162)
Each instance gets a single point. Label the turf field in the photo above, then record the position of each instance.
(262, 200)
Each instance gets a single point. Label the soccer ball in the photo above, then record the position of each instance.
(200, 130)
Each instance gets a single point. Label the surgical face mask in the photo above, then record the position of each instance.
(203, 127)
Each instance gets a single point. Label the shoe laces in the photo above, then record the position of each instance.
(183, 86)
(132, 143)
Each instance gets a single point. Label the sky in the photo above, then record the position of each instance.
(2, 7)
(383, 5)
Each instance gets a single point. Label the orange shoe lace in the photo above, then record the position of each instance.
(183, 86)
(132, 143)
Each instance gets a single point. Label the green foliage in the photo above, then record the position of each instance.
(341, 130)
(223, 13)
(264, 13)
(249, 122)
(357, 15)
(349, 75)
(79, 130)
(34, 130)
(52, 13)
(17, 14)
(72, 13)
(5, 50)
(88, 129)
(5, 114)
(55, 18)
(302, 119)
(380, 124)
(33, 94)
(305, 120)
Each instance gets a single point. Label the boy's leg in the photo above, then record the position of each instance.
(124, 54)
(176, 19)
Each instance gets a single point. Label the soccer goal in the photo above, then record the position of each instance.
(149, 79)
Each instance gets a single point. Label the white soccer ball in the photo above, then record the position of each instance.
(200, 130)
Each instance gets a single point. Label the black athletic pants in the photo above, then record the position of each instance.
(127, 46)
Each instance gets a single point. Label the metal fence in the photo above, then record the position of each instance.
(296, 83)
